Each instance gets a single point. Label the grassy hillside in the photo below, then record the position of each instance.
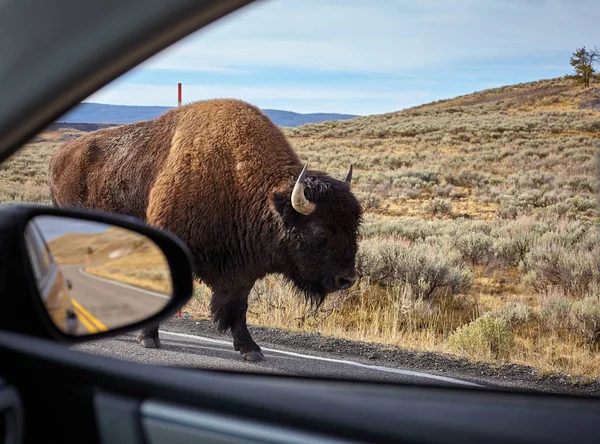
(116, 254)
(525, 149)
(481, 236)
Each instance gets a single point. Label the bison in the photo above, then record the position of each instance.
(222, 176)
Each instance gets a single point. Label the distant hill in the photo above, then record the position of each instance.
(88, 112)
(480, 117)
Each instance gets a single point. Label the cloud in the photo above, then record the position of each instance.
(383, 36)
(364, 57)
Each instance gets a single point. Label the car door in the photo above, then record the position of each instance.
(54, 288)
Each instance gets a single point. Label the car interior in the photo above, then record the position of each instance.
(51, 393)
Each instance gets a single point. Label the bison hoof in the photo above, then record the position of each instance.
(149, 342)
(253, 356)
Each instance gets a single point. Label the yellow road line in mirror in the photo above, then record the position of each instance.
(87, 324)
(86, 317)
(92, 324)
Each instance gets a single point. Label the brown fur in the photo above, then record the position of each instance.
(219, 174)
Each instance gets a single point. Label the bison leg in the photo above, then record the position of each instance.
(148, 337)
(229, 308)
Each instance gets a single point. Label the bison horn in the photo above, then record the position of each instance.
(348, 178)
(300, 203)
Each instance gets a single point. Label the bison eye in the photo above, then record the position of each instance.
(319, 232)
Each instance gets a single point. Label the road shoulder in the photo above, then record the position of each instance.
(508, 376)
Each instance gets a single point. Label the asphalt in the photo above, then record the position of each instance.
(103, 304)
(196, 345)
(201, 352)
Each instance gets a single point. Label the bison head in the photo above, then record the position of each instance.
(321, 218)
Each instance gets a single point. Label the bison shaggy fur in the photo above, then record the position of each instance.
(221, 176)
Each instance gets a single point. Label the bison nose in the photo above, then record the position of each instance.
(345, 281)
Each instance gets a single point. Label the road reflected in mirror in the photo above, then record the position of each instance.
(94, 277)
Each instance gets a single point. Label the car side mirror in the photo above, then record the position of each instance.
(95, 274)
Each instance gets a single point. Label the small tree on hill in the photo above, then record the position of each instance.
(584, 64)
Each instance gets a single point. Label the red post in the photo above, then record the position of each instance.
(179, 104)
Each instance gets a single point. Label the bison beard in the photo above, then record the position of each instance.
(221, 176)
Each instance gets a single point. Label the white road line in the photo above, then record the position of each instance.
(338, 361)
(120, 284)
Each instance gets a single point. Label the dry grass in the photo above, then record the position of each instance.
(146, 267)
(94, 248)
(481, 234)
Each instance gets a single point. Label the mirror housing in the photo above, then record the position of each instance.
(19, 291)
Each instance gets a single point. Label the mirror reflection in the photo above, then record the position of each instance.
(94, 277)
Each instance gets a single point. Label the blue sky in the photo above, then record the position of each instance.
(54, 226)
(363, 57)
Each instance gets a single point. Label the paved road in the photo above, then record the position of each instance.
(104, 303)
(101, 303)
(195, 344)
(200, 352)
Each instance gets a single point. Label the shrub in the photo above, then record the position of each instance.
(412, 228)
(532, 179)
(590, 240)
(467, 178)
(508, 210)
(580, 183)
(582, 317)
(422, 175)
(394, 162)
(428, 270)
(585, 319)
(555, 311)
(559, 209)
(487, 337)
(369, 201)
(516, 314)
(410, 193)
(439, 206)
(475, 247)
(581, 203)
(553, 261)
(481, 226)
(514, 240)
(443, 190)
(569, 234)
